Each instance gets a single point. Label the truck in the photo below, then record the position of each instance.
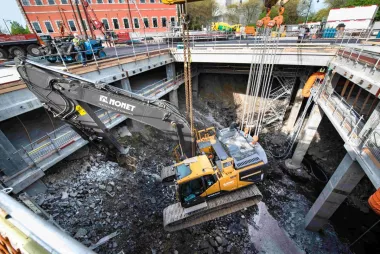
(360, 17)
(19, 45)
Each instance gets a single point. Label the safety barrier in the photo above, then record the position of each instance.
(350, 122)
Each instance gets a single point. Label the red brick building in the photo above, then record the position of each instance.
(45, 16)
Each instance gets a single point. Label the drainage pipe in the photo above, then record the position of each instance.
(310, 83)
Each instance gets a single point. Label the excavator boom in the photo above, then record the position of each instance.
(69, 97)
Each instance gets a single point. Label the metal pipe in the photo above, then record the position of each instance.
(41, 231)
(81, 20)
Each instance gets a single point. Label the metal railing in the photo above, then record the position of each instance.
(350, 121)
(49, 144)
(373, 144)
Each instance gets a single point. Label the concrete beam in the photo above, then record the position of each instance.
(173, 97)
(125, 84)
(342, 182)
(308, 135)
(16, 103)
(295, 110)
(170, 71)
(289, 56)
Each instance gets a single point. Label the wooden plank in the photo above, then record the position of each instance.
(11, 89)
(345, 87)
(371, 42)
(10, 84)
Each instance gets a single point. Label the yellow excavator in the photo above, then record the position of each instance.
(219, 181)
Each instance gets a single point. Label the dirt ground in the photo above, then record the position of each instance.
(91, 197)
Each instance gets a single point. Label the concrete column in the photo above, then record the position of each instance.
(304, 142)
(195, 86)
(295, 110)
(10, 161)
(173, 97)
(125, 84)
(170, 71)
(342, 182)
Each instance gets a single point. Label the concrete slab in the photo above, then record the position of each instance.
(268, 237)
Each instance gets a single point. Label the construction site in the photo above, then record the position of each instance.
(266, 145)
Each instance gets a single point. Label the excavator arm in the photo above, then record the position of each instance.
(72, 98)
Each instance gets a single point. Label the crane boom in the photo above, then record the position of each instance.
(69, 97)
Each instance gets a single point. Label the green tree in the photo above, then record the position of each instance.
(321, 14)
(202, 13)
(335, 3)
(16, 28)
(245, 13)
(363, 3)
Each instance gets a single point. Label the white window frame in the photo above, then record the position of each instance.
(57, 25)
(153, 22)
(66, 3)
(113, 1)
(117, 23)
(38, 25)
(25, 1)
(166, 21)
(170, 20)
(47, 1)
(138, 22)
(107, 23)
(129, 23)
(42, 3)
(47, 30)
(144, 22)
(68, 22)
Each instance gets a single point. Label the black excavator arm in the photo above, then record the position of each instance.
(69, 97)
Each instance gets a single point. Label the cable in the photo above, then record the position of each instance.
(364, 233)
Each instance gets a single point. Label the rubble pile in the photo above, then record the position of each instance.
(92, 198)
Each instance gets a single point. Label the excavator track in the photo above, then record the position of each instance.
(175, 217)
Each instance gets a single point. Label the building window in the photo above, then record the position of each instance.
(25, 2)
(38, 2)
(110, 1)
(73, 28)
(146, 22)
(172, 21)
(89, 1)
(49, 27)
(84, 24)
(136, 23)
(99, 1)
(105, 23)
(115, 23)
(142, 1)
(126, 23)
(58, 23)
(63, 1)
(121, 1)
(163, 21)
(152, 1)
(37, 27)
(51, 2)
(155, 23)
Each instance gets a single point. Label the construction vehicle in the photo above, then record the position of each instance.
(19, 45)
(220, 181)
(225, 27)
(228, 156)
(62, 49)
